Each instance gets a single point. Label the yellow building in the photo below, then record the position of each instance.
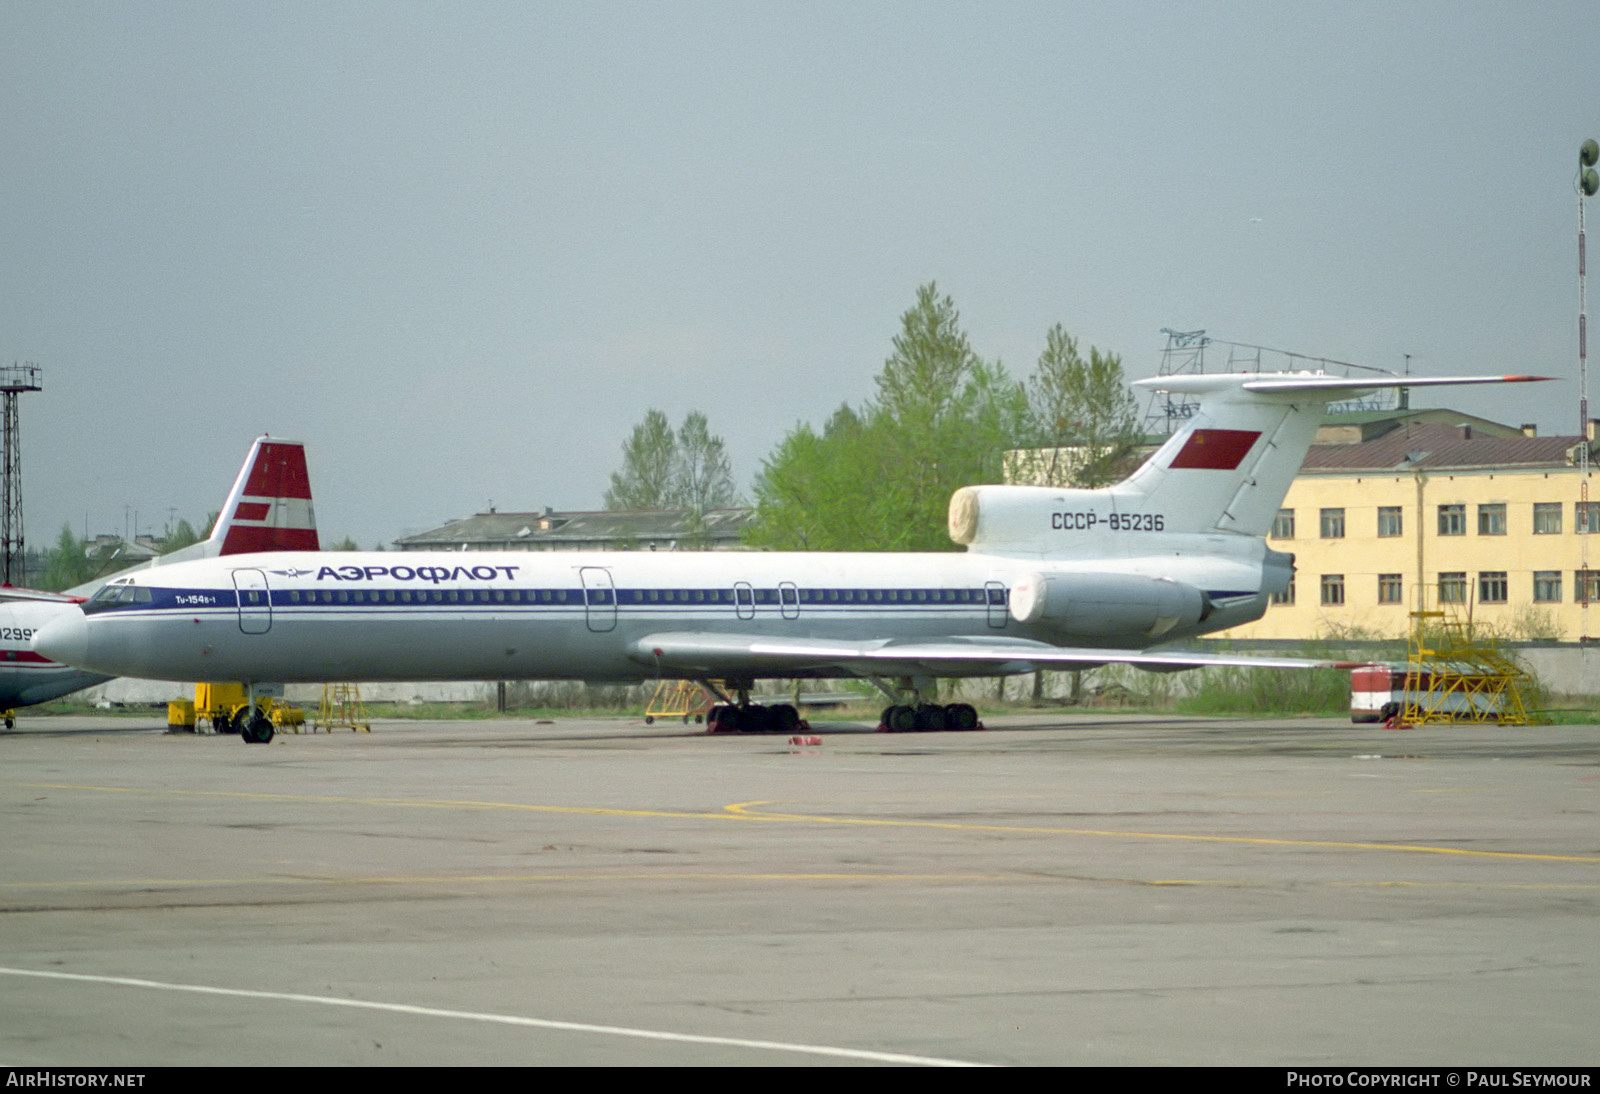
(1484, 517)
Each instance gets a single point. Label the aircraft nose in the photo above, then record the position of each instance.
(64, 639)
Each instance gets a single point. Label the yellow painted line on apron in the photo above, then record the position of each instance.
(747, 811)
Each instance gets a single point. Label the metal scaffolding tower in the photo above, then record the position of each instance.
(1185, 353)
(14, 380)
(1457, 672)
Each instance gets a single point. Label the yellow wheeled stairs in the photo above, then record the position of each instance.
(678, 699)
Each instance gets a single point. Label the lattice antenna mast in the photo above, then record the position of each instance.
(1185, 352)
(1586, 184)
(14, 380)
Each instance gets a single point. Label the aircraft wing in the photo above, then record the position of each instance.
(714, 655)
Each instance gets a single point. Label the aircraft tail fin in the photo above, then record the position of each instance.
(269, 507)
(1230, 466)
(1226, 470)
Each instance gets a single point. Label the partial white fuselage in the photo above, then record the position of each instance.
(28, 677)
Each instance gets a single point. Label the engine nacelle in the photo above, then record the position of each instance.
(1091, 605)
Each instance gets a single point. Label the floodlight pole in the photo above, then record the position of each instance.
(1586, 184)
(14, 380)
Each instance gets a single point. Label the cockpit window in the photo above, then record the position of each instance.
(117, 596)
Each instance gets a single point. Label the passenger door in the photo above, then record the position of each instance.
(255, 601)
(600, 598)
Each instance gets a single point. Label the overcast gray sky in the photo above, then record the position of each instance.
(460, 249)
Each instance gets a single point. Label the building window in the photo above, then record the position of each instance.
(1492, 587)
(1287, 596)
(1586, 517)
(1547, 586)
(1332, 590)
(1492, 519)
(1332, 524)
(1390, 522)
(1453, 588)
(1390, 589)
(1452, 520)
(1587, 584)
(1283, 524)
(1547, 518)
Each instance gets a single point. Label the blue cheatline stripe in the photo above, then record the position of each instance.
(647, 599)
(663, 600)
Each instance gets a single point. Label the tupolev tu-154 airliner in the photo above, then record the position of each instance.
(1051, 578)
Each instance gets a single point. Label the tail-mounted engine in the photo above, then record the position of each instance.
(1089, 605)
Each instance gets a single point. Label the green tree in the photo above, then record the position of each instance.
(1084, 421)
(880, 478)
(648, 456)
(702, 473)
(67, 564)
(661, 469)
(923, 380)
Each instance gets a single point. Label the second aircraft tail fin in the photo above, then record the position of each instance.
(269, 507)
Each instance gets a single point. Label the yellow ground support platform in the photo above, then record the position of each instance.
(1456, 672)
(220, 704)
(684, 699)
(342, 708)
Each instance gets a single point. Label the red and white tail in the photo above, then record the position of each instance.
(1226, 471)
(1230, 466)
(269, 507)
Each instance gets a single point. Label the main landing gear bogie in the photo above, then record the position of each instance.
(929, 718)
(753, 718)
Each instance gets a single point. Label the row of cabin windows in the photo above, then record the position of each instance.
(640, 596)
(1493, 588)
(1452, 520)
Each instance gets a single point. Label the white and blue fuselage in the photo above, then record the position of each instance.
(1051, 578)
(598, 616)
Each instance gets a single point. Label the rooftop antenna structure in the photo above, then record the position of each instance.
(1585, 184)
(1185, 352)
(14, 380)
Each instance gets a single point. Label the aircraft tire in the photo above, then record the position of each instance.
(961, 717)
(901, 719)
(785, 718)
(255, 729)
(930, 718)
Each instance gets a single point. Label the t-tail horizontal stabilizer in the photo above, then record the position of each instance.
(1226, 470)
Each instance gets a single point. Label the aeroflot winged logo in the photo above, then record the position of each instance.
(1215, 449)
